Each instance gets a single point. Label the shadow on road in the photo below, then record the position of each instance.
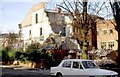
(25, 76)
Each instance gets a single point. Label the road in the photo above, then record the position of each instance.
(10, 72)
(18, 72)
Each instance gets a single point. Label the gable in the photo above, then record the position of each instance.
(27, 21)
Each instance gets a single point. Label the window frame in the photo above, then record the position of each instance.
(30, 34)
(41, 31)
(111, 44)
(36, 18)
(64, 63)
(76, 65)
(111, 31)
(105, 32)
(103, 45)
(89, 64)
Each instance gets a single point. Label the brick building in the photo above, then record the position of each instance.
(107, 36)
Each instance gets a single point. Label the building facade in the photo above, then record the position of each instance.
(6, 38)
(107, 36)
(40, 22)
(3, 42)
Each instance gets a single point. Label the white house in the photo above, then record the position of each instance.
(40, 22)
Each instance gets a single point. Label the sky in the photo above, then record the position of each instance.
(12, 12)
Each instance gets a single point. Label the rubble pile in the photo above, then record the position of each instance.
(101, 56)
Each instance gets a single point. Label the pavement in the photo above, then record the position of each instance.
(8, 66)
(35, 70)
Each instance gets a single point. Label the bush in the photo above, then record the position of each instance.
(35, 56)
(34, 52)
(11, 55)
(21, 56)
(5, 56)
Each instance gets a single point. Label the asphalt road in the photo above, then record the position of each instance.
(10, 72)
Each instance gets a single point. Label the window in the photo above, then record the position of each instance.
(40, 31)
(78, 30)
(74, 29)
(105, 32)
(75, 65)
(111, 31)
(103, 45)
(30, 36)
(64, 31)
(36, 18)
(110, 45)
(67, 64)
(97, 32)
(89, 64)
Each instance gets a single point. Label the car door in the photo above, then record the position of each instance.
(77, 70)
(66, 68)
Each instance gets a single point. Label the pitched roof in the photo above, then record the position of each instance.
(3, 35)
(7, 35)
(27, 21)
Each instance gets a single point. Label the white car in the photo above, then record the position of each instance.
(80, 68)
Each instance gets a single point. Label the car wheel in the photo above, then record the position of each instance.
(59, 75)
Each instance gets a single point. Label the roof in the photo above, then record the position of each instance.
(27, 21)
(6, 35)
(3, 35)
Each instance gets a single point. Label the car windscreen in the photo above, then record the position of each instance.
(89, 64)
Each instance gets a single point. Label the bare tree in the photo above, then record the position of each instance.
(116, 13)
(12, 39)
(83, 21)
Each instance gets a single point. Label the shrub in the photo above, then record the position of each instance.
(5, 56)
(34, 52)
(11, 55)
(21, 56)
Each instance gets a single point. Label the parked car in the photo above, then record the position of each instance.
(80, 68)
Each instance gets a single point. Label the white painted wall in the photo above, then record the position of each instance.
(68, 27)
(42, 23)
(25, 32)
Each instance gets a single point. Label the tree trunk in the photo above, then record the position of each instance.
(116, 13)
(118, 57)
(117, 18)
(84, 39)
(84, 45)
(84, 49)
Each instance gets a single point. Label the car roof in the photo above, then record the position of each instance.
(77, 60)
